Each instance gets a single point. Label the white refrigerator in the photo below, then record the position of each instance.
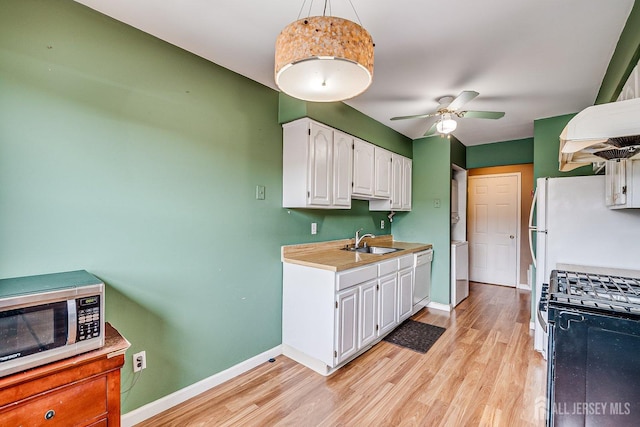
(574, 227)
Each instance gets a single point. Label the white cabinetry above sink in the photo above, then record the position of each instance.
(324, 168)
(317, 166)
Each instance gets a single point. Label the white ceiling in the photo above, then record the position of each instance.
(530, 58)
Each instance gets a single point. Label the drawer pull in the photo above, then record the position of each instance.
(49, 414)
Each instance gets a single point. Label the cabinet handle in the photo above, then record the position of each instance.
(49, 414)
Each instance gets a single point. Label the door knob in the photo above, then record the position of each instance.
(512, 236)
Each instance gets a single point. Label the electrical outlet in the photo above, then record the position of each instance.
(260, 192)
(436, 203)
(314, 228)
(139, 361)
(382, 224)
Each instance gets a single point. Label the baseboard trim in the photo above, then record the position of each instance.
(439, 306)
(154, 408)
(524, 286)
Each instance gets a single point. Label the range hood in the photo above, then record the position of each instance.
(601, 132)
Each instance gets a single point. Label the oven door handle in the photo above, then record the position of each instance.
(565, 318)
(541, 320)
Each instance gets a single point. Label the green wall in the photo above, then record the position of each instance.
(503, 153)
(427, 223)
(458, 153)
(137, 161)
(624, 59)
(546, 146)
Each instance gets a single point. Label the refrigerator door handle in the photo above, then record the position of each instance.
(532, 228)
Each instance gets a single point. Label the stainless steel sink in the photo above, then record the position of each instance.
(379, 250)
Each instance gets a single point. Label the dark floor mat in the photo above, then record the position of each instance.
(417, 336)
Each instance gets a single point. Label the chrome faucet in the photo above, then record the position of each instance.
(359, 237)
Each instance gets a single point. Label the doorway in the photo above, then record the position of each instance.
(494, 228)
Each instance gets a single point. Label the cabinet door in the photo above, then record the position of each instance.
(342, 168)
(368, 319)
(407, 165)
(397, 168)
(363, 168)
(405, 294)
(382, 182)
(320, 165)
(346, 324)
(615, 182)
(387, 303)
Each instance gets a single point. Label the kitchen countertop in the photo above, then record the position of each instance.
(330, 256)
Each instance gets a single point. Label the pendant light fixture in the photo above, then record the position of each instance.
(324, 58)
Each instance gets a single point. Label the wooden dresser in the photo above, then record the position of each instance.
(83, 390)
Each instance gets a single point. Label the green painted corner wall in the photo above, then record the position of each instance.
(546, 146)
(519, 151)
(624, 59)
(458, 153)
(427, 223)
(137, 161)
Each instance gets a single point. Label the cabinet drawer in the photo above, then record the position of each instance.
(388, 267)
(72, 405)
(405, 261)
(355, 276)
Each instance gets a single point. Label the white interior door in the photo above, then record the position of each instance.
(494, 218)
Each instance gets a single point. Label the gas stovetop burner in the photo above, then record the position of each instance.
(621, 294)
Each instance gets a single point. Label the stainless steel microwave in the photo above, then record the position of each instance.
(49, 317)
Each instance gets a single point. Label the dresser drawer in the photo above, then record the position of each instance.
(74, 405)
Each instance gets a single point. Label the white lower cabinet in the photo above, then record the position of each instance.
(405, 294)
(329, 318)
(388, 303)
(347, 324)
(368, 313)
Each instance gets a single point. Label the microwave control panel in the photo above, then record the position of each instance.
(88, 309)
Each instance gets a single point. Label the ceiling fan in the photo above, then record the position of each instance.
(452, 107)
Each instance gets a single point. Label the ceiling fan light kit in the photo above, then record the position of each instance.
(450, 107)
(446, 124)
(324, 59)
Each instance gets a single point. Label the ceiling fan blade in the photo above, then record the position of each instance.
(417, 116)
(431, 130)
(464, 97)
(482, 114)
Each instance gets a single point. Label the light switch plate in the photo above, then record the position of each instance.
(436, 203)
(259, 192)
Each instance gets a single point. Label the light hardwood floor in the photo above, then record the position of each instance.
(481, 371)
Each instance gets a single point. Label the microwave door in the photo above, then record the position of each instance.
(31, 330)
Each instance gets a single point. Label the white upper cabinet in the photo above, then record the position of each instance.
(400, 199)
(382, 182)
(316, 166)
(363, 169)
(622, 184)
(342, 169)
(324, 168)
(320, 165)
(407, 171)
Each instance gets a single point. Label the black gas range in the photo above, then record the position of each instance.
(593, 370)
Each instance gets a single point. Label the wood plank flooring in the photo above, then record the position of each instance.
(482, 371)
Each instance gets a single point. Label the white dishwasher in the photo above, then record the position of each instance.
(422, 279)
(459, 272)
